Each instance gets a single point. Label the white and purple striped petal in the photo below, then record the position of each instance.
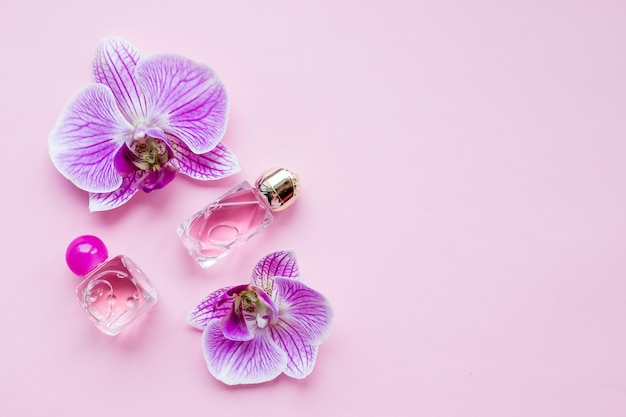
(185, 99)
(218, 163)
(303, 309)
(235, 362)
(301, 354)
(276, 264)
(86, 138)
(114, 199)
(214, 306)
(114, 66)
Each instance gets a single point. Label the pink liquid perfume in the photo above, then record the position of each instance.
(114, 293)
(232, 219)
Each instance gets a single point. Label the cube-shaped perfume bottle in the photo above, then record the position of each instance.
(114, 293)
(242, 212)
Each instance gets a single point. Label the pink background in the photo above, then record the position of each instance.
(463, 207)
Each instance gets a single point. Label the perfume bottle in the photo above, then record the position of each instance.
(114, 293)
(232, 219)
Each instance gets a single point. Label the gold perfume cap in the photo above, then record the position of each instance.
(280, 187)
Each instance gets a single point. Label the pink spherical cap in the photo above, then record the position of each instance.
(85, 253)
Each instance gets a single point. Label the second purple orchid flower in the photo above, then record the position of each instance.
(144, 120)
(254, 332)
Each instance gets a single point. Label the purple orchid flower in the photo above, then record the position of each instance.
(254, 332)
(143, 121)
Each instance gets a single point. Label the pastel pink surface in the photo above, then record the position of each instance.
(463, 177)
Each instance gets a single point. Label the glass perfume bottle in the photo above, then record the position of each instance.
(114, 293)
(232, 219)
